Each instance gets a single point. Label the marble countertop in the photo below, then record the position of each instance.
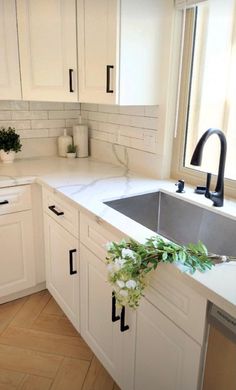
(88, 183)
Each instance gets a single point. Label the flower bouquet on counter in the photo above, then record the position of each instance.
(129, 263)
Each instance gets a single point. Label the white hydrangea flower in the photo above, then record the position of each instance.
(120, 283)
(109, 246)
(110, 268)
(123, 293)
(128, 253)
(131, 283)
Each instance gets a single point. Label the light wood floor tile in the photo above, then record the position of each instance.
(27, 361)
(7, 387)
(71, 375)
(10, 378)
(8, 312)
(98, 378)
(31, 309)
(47, 342)
(32, 382)
(54, 324)
(53, 308)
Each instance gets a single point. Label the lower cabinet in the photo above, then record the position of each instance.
(166, 357)
(17, 252)
(114, 348)
(155, 353)
(62, 275)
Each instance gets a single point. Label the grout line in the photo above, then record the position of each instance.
(87, 372)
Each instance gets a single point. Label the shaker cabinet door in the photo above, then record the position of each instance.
(47, 45)
(97, 41)
(10, 88)
(17, 260)
(166, 358)
(115, 349)
(62, 273)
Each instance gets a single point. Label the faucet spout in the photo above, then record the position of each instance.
(216, 196)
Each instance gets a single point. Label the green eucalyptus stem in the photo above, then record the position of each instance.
(129, 262)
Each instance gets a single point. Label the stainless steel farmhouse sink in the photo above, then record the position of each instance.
(180, 221)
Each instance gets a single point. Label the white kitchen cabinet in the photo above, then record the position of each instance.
(114, 348)
(166, 357)
(10, 87)
(17, 257)
(47, 46)
(123, 50)
(62, 273)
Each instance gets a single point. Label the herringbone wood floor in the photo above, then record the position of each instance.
(41, 350)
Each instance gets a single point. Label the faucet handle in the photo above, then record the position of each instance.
(208, 184)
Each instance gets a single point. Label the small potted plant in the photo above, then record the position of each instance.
(9, 144)
(71, 151)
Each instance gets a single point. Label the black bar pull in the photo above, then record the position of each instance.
(108, 88)
(4, 202)
(53, 209)
(71, 80)
(114, 317)
(72, 271)
(123, 327)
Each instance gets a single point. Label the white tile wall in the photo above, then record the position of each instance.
(135, 127)
(126, 135)
(38, 124)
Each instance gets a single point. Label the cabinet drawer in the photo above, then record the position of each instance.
(62, 212)
(170, 294)
(95, 234)
(13, 199)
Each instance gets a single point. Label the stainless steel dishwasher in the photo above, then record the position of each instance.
(220, 366)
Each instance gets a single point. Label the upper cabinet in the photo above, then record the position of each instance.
(48, 53)
(9, 61)
(123, 50)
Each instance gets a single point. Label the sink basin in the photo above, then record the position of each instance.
(180, 221)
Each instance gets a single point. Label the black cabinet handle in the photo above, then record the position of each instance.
(72, 271)
(114, 317)
(71, 80)
(4, 202)
(53, 209)
(123, 327)
(108, 89)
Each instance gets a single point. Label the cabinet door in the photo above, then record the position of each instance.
(9, 62)
(47, 43)
(114, 348)
(17, 260)
(166, 358)
(98, 45)
(62, 268)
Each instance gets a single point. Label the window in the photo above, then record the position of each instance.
(208, 87)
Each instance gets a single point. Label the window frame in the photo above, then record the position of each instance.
(178, 170)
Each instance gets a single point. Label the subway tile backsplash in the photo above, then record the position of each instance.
(126, 135)
(39, 124)
(133, 127)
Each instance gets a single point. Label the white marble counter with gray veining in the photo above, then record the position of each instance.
(87, 183)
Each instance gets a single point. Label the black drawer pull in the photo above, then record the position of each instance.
(123, 327)
(108, 88)
(72, 271)
(71, 80)
(4, 202)
(53, 209)
(114, 317)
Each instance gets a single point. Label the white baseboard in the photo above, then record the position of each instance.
(23, 293)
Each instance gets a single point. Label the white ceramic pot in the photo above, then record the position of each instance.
(7, 157)
(71, 155)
